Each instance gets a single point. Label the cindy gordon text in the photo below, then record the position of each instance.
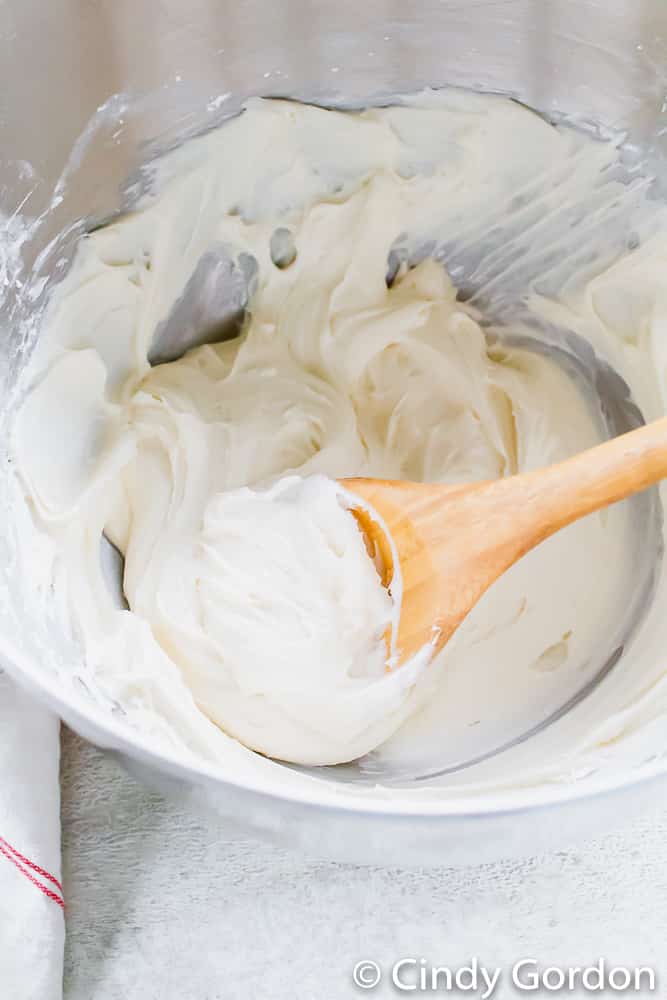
(527, 975)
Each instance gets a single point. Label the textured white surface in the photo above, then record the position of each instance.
(163, 905)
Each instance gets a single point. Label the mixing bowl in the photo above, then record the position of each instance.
(90, 92)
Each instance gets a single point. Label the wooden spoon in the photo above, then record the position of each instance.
(452, 542)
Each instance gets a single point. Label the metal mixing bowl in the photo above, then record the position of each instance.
(136, 77)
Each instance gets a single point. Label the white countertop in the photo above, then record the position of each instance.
(162, 905)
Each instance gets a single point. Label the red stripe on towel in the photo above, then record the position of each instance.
(26, 867)
(30, 864)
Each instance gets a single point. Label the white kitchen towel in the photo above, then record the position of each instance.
(32, 925)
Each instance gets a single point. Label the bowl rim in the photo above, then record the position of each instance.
(99, 727)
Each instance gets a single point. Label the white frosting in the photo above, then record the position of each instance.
(258, 609)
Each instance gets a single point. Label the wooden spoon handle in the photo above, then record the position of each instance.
(454, 541)
(464, 539)
(549, 499)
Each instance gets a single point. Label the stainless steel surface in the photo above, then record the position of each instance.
(211, 308)
(195, 63)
